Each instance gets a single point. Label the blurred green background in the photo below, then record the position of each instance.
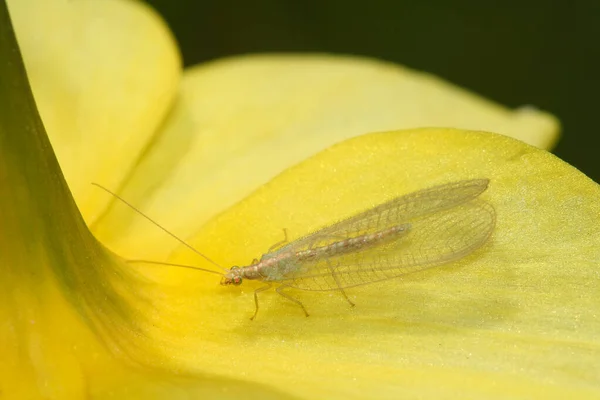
(540, 52)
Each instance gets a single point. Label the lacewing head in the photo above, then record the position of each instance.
(232, 277)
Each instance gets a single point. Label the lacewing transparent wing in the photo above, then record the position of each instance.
(407, 234)
(435, 226)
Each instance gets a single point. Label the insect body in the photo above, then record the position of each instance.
(410, 233)
(277, 266)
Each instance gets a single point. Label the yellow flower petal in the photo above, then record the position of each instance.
(516, 319)
(104, 74)
(241, 121)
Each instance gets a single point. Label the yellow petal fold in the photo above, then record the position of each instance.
(72, 315)
(104, 74)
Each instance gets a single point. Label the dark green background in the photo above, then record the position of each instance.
(540, 52)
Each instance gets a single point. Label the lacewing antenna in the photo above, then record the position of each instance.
(173, 265)
(167, 232)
